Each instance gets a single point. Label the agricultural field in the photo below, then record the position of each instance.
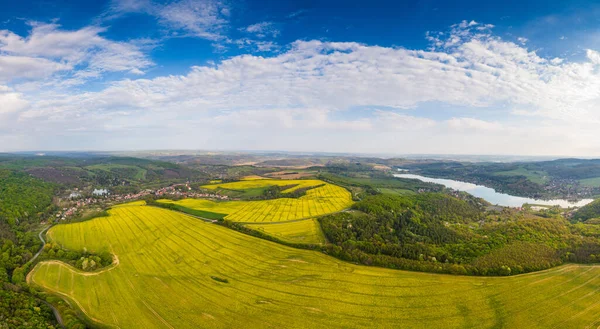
(590, 182)
(252, 177)
(536, 176)
(396, 191)
(290, 174)
(318, 201)
(303, 231)
(250, 182)
(174, 271)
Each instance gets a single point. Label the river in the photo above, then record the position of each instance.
(493, 197)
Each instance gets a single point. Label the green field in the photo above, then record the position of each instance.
(396, 191)
(590, 182)
(538, 177)
(321, 200)
(175, 271)
(303, 231)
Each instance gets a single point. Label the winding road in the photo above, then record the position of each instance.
(54, 310)
(42, 247)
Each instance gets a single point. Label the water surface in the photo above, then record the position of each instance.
(493, 197)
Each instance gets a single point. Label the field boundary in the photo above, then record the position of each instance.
(208, 220)
(268, 285)
(293, 220)
(250, 223)
(71, 268)
(69, 299)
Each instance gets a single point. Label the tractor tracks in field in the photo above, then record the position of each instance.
(208, 220)
(29, 276)
(293, 220)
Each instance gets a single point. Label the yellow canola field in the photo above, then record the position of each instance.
(303, 231)
(262, 182)
(175, 271)
(318, 201)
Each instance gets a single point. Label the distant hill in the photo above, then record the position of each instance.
(106, 171)
(589, 211)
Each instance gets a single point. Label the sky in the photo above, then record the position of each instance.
(381, 77)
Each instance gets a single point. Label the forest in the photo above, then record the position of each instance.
(24, 200)
(440, 233)
(587, 212)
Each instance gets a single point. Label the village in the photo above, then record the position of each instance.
(76, 202)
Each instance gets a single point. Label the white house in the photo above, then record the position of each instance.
(100, 192)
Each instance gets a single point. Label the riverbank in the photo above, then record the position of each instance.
(493, 197)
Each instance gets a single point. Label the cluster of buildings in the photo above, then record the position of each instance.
(103, 196)
(66, 212)
(570, 188)
(185, 191)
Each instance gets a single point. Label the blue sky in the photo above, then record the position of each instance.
(393, 77)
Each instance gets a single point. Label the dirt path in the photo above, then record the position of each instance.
(30, 280)
(68, 298)
(70, 268)
(54, 310)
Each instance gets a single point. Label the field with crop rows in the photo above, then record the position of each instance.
(176, 271)
(262, 182)
(318, 201)
(303, 231)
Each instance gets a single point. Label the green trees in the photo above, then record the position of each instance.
(440, 233)
(19, 310)
(82, 260)
(22, 197)
(24, 202)
(589, 211)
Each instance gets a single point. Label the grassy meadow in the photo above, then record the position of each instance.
(590, 182)
(323, 199)
(175, 271)
(538, 177)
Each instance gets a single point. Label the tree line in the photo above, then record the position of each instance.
(440, 233)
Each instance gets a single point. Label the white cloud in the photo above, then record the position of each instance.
(202, 18)
(262, 29)
(329, 96)
(207, 19)
(82, 53)
(120, 7)
(474, 125)
(256, 45)
(593, 56)
(20, 67)
(11, 101)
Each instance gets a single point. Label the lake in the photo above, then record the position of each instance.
(493, 197)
